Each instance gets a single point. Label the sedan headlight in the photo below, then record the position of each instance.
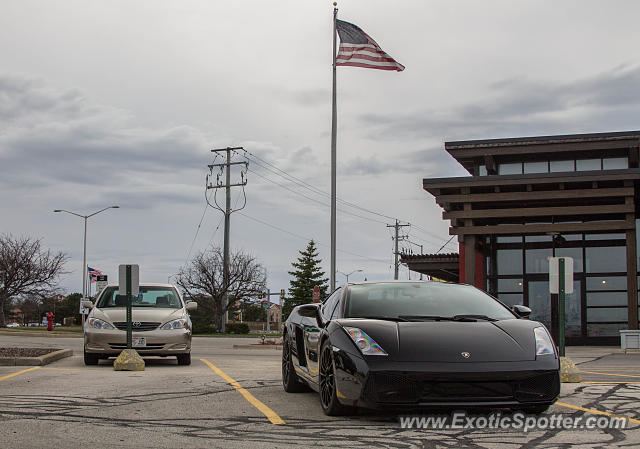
(544, 343)
(175, 324)
(365, 344)
(99, 324)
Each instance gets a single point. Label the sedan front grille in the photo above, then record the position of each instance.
(143, 348)
(142, 326)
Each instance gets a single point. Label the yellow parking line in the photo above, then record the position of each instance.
(9, 376)
(266, 411)
(597, 412)
(608, 374)
(610, 382)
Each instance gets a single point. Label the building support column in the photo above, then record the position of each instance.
(632, 283)
(470, 259)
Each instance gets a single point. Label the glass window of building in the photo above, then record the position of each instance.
(510, 285)
(606, 299)
(536, 260)
(618, 236)
(562, 166)
(511, 299)
(615, 163)
(508, 239)
(588, 164)
(536, 167)
(510, 169)
(540, 302)
(607, 314)
(575, 253)
(573, 326)
(537, 238)
(607, 259)
(599, 283)
(605, 329)
(509, 261)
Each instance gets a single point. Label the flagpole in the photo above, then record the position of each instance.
(332, 277)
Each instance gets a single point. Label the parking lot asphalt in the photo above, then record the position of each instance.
(233, 398)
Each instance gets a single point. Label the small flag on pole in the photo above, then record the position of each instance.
(357, 49)
(93, 273)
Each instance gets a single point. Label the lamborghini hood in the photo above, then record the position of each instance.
(451, 341)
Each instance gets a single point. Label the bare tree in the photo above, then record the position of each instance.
(26, 269)
(202, 277)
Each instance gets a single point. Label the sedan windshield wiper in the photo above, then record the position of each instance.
(387, 318)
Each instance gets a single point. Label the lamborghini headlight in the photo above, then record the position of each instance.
(98, 324)
(544, 343)
(175, 324)
(365, 344)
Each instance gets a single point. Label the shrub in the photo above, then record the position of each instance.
(237, 328)
(203, 328)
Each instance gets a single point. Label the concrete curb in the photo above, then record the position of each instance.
(258, 346)
(51, 334)
(36, 361)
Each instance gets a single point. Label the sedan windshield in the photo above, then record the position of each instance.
(157, 297)
(423, 301)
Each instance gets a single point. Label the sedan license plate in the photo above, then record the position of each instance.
(138, 342)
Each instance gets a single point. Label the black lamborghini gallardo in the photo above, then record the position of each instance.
(408, 345)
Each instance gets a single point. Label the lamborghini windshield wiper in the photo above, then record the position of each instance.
(387, 318)
(470, 318)
(426, 317)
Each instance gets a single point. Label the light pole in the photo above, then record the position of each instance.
(349, 274)
(84, 256)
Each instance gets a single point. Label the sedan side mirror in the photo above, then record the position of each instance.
(521, 311)
(191, 306)
(311, 311)
(87, 304)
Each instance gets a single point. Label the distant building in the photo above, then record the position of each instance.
(530, 198)
(15, 316)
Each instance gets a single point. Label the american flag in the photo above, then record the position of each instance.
(93, 273)
(357, 49)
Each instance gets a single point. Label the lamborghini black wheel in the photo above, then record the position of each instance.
(290, 380)
(328, 393)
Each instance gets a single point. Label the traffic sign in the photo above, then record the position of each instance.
(554, 275)
(101, 283)
(316, 294)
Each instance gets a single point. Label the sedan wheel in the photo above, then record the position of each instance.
(91, 359)
(290, 380)
(328, 397)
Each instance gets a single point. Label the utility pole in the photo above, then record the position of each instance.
(226, 166)
(397, 227)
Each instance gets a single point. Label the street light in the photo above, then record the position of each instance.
(84, 257)
(349, 274)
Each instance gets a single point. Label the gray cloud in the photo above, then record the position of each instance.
(519, 106)
(58, 136)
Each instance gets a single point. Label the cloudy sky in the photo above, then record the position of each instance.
(119, 102)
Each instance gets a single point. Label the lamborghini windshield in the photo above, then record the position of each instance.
(158, 297)
(416, 301)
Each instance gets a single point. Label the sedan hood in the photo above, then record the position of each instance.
(116, 314)
(451, 341)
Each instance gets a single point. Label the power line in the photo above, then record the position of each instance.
(313, 199)
(291, 178)
(307, 238)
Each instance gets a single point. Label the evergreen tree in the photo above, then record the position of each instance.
(306, 275)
